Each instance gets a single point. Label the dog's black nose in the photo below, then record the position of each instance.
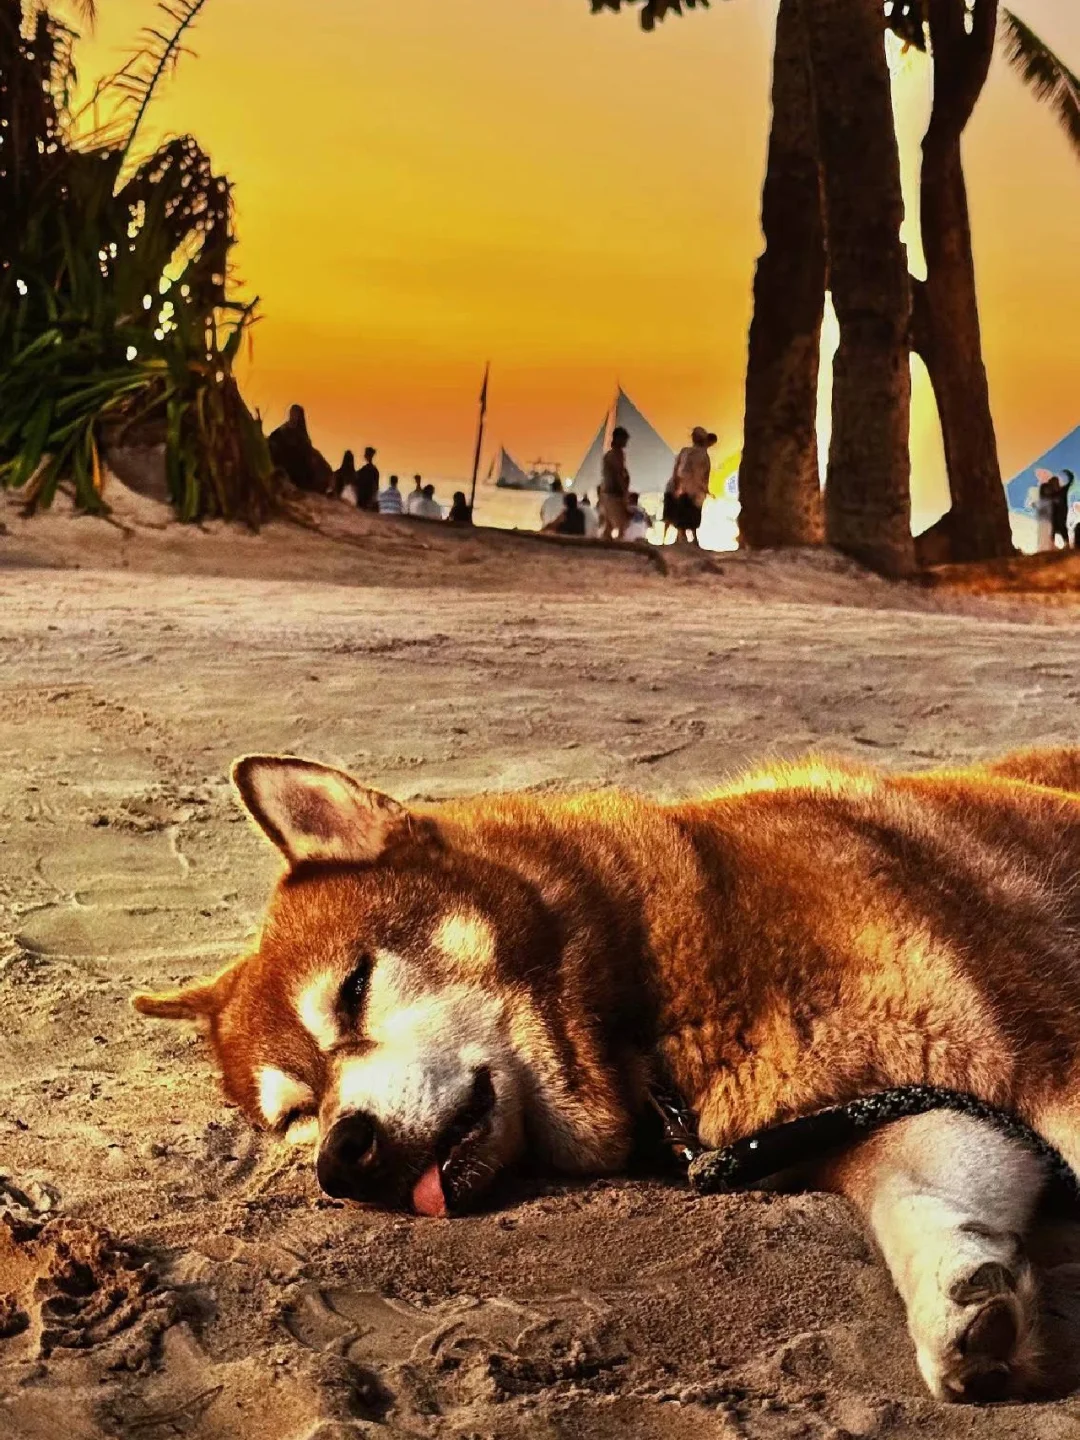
(347, 1153)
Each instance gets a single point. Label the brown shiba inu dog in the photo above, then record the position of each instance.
(440, 992)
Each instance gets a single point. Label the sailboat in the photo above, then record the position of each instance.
(650, 458)
(509, 475)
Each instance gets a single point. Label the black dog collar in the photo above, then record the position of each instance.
(749, 1161)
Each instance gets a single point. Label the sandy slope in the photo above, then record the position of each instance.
(188, 1280)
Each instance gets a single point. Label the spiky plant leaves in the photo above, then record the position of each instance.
(157, 56)
(114, 304)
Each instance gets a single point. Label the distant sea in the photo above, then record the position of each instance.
(520, 510)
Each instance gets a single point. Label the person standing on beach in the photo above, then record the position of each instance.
(612, 503)
(367, 481)
(413, 499)
(1044, 512)
(693, 470)
(1059, 513)
(390, 501)
(345, 479)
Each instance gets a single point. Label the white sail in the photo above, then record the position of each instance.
(587, 475)
(649, 458)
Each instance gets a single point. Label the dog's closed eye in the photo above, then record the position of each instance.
(354, 989)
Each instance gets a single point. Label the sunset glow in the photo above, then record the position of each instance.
(422, 186)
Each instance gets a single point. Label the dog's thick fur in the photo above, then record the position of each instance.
(509, 975)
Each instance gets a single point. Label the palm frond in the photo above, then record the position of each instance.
(1044, 73)
(651, 10)
(157, 56)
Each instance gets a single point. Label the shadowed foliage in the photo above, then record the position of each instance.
(116, 312)
(651, 10)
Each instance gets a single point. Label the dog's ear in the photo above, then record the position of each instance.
(312, 812)
(201, 1000)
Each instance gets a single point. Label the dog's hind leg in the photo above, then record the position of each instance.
(948, 1199)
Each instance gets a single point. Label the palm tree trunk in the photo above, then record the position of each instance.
(867, 493)
(946, 333)
(779, 484)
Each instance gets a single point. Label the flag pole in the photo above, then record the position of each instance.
(479, 437)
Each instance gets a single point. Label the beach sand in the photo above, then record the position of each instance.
(165, 1271)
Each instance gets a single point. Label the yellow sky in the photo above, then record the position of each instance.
(422, 185)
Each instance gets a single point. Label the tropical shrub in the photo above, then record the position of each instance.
(116, 308)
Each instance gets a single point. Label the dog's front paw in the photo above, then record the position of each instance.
(976, 1339)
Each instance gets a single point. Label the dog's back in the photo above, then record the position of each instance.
(816, 931)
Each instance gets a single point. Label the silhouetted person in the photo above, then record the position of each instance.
(571, 520)
(1059, 508)
(345, 479)
(427, 507)
(460, 513)
(552, 507)
(367, 481)
(414, 497)
(1044, 513)
(292, 451)
(693, 470)
(614, 487)
(390, 501)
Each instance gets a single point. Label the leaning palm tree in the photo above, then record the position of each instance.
(946, 331)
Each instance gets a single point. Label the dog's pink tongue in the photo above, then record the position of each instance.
(428, 1197)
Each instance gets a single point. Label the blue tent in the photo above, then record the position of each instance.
(1065, 455)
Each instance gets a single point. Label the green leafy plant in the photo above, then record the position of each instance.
(116, 310)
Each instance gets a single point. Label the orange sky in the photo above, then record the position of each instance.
(424, 184)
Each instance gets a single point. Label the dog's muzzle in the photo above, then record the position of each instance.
(436, 1176)
(348, 1158)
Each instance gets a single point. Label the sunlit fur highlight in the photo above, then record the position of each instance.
(809, 934)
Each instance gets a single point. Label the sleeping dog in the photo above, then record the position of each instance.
(442, 991)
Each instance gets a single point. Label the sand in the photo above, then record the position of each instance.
(164, 1271)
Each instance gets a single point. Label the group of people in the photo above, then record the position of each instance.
(1051, 502)
(292, 450)
(619, 514)
(565, 512)
(420, 500)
